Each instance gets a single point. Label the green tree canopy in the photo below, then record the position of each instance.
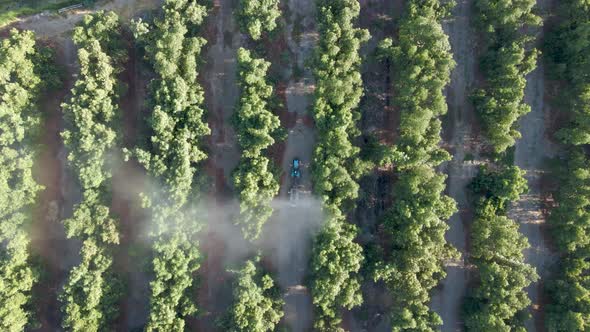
(499, 300)
(505, 64)
(255, 127)
(258, 16)
(423, 62)
(19, 120)
(335, 283)
(570, 290)
(501, 184)
(502, 19)
(413, 247)
(568, 47)
(89, 295)
(570, 223)
(171, 156)
(177, 128)
(257, 301)
(413, 259)
(336, 165)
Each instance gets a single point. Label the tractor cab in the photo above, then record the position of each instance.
(295, 169)
(296, 187)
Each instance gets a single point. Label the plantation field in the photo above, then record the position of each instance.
(294, 165)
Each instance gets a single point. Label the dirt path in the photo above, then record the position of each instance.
(221, 239)
(460, 137)
(532, 152)
(221, 77)
(58, 254)
(286, 240)
(48, 239)
(287, 243)
(379, 120)
(130, 257)
(292, 228)
(49, 25)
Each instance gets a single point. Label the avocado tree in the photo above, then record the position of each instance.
(567, 48)
(258, 16)
(171, 156)
(255, 126)
(257, 301)
(20, 84)
(336, 167)
(499, 301)
(414, 248)
(89, 294)
(505, 63)
(569, 309)
(335, 283)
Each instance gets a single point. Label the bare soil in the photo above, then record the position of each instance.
(379, 120)
(293, 227)
(48, 238)
(460, 137)
(131, 256)
(219, 79)
(50, 24)
(220, 74)
(532, 154)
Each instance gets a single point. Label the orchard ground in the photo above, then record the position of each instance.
(294, 89)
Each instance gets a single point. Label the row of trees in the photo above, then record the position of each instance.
(570, 221)
(258, 16)
(255, 125)
(499, 300)
(568, 48)
(91, 289)
(504, 64)
(257, 300)
(336, 258)
(171, 157)
(20, 84)
(413, 247)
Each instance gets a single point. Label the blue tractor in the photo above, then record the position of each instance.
(295, 186)
(295, 170)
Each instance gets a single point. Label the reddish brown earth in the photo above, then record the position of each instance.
(48, 173)
(127, 183)
(48, 239)
(295, 94)
(380, 121)
(287, 118)
(213, 268)
(277, 150)
(218, 78)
